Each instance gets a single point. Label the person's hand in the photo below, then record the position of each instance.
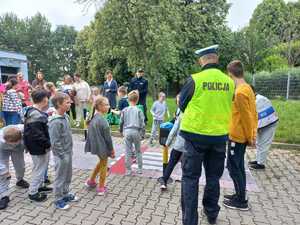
(113, 154)
(252, 142)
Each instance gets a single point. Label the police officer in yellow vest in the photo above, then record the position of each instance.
(205, 101)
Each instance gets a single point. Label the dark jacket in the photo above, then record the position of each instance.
(110, 92)
(140, 84)
(36, 136)
(123, 103)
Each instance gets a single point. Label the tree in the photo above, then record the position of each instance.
(289, 51)
(39, 48)
(269, 20)
(160, 36)
(12, 33)
(83, 51)
(63, 39)
(274, 62)
(250, 48)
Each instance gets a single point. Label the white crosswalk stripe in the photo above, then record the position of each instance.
(151, 161)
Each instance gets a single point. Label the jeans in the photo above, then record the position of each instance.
(11, 118)
(212, 157)
(174, 159)
(236, 167)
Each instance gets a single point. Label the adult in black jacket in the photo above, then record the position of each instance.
(37, 142)
(141, 84)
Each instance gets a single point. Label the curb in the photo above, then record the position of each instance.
(286, 146)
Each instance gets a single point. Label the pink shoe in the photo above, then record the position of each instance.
(90, 183)
(101, 190)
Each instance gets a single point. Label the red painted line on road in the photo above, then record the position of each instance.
(119, 166)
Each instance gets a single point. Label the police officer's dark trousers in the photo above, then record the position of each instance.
(212, 157)
(236, 168)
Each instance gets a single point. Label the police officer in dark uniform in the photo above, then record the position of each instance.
(205, 101)
(141, 84)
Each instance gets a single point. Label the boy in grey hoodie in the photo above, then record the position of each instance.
(62, 148)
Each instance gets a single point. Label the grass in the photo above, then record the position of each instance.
(288, 130)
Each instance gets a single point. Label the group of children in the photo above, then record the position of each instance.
(43, 133)
(40, 135)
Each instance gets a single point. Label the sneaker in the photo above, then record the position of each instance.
(128, 173)
(140, 171)
(150, 142)
(252, 162)
(22, 184)
(90, 183)
(257, 166)
(212, 220)
(229, 197)
(4, 202)
(61, 204)
(163, 187)
(38, 197)
(236, 204)
(47, 181)
(70, 198)
(45, 189)
(101, 190)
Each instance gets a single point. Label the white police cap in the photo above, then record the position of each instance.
(209, 50)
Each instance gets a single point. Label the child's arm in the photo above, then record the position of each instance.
(113, 154)
(91, 101)
(142, 124)
(173, 132)
(117, 112)
(242, 103)
(153, 109)
(121, 122)
(55, 130)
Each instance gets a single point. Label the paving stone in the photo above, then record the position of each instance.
(138, 200)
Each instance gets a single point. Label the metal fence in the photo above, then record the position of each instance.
(282, 87)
